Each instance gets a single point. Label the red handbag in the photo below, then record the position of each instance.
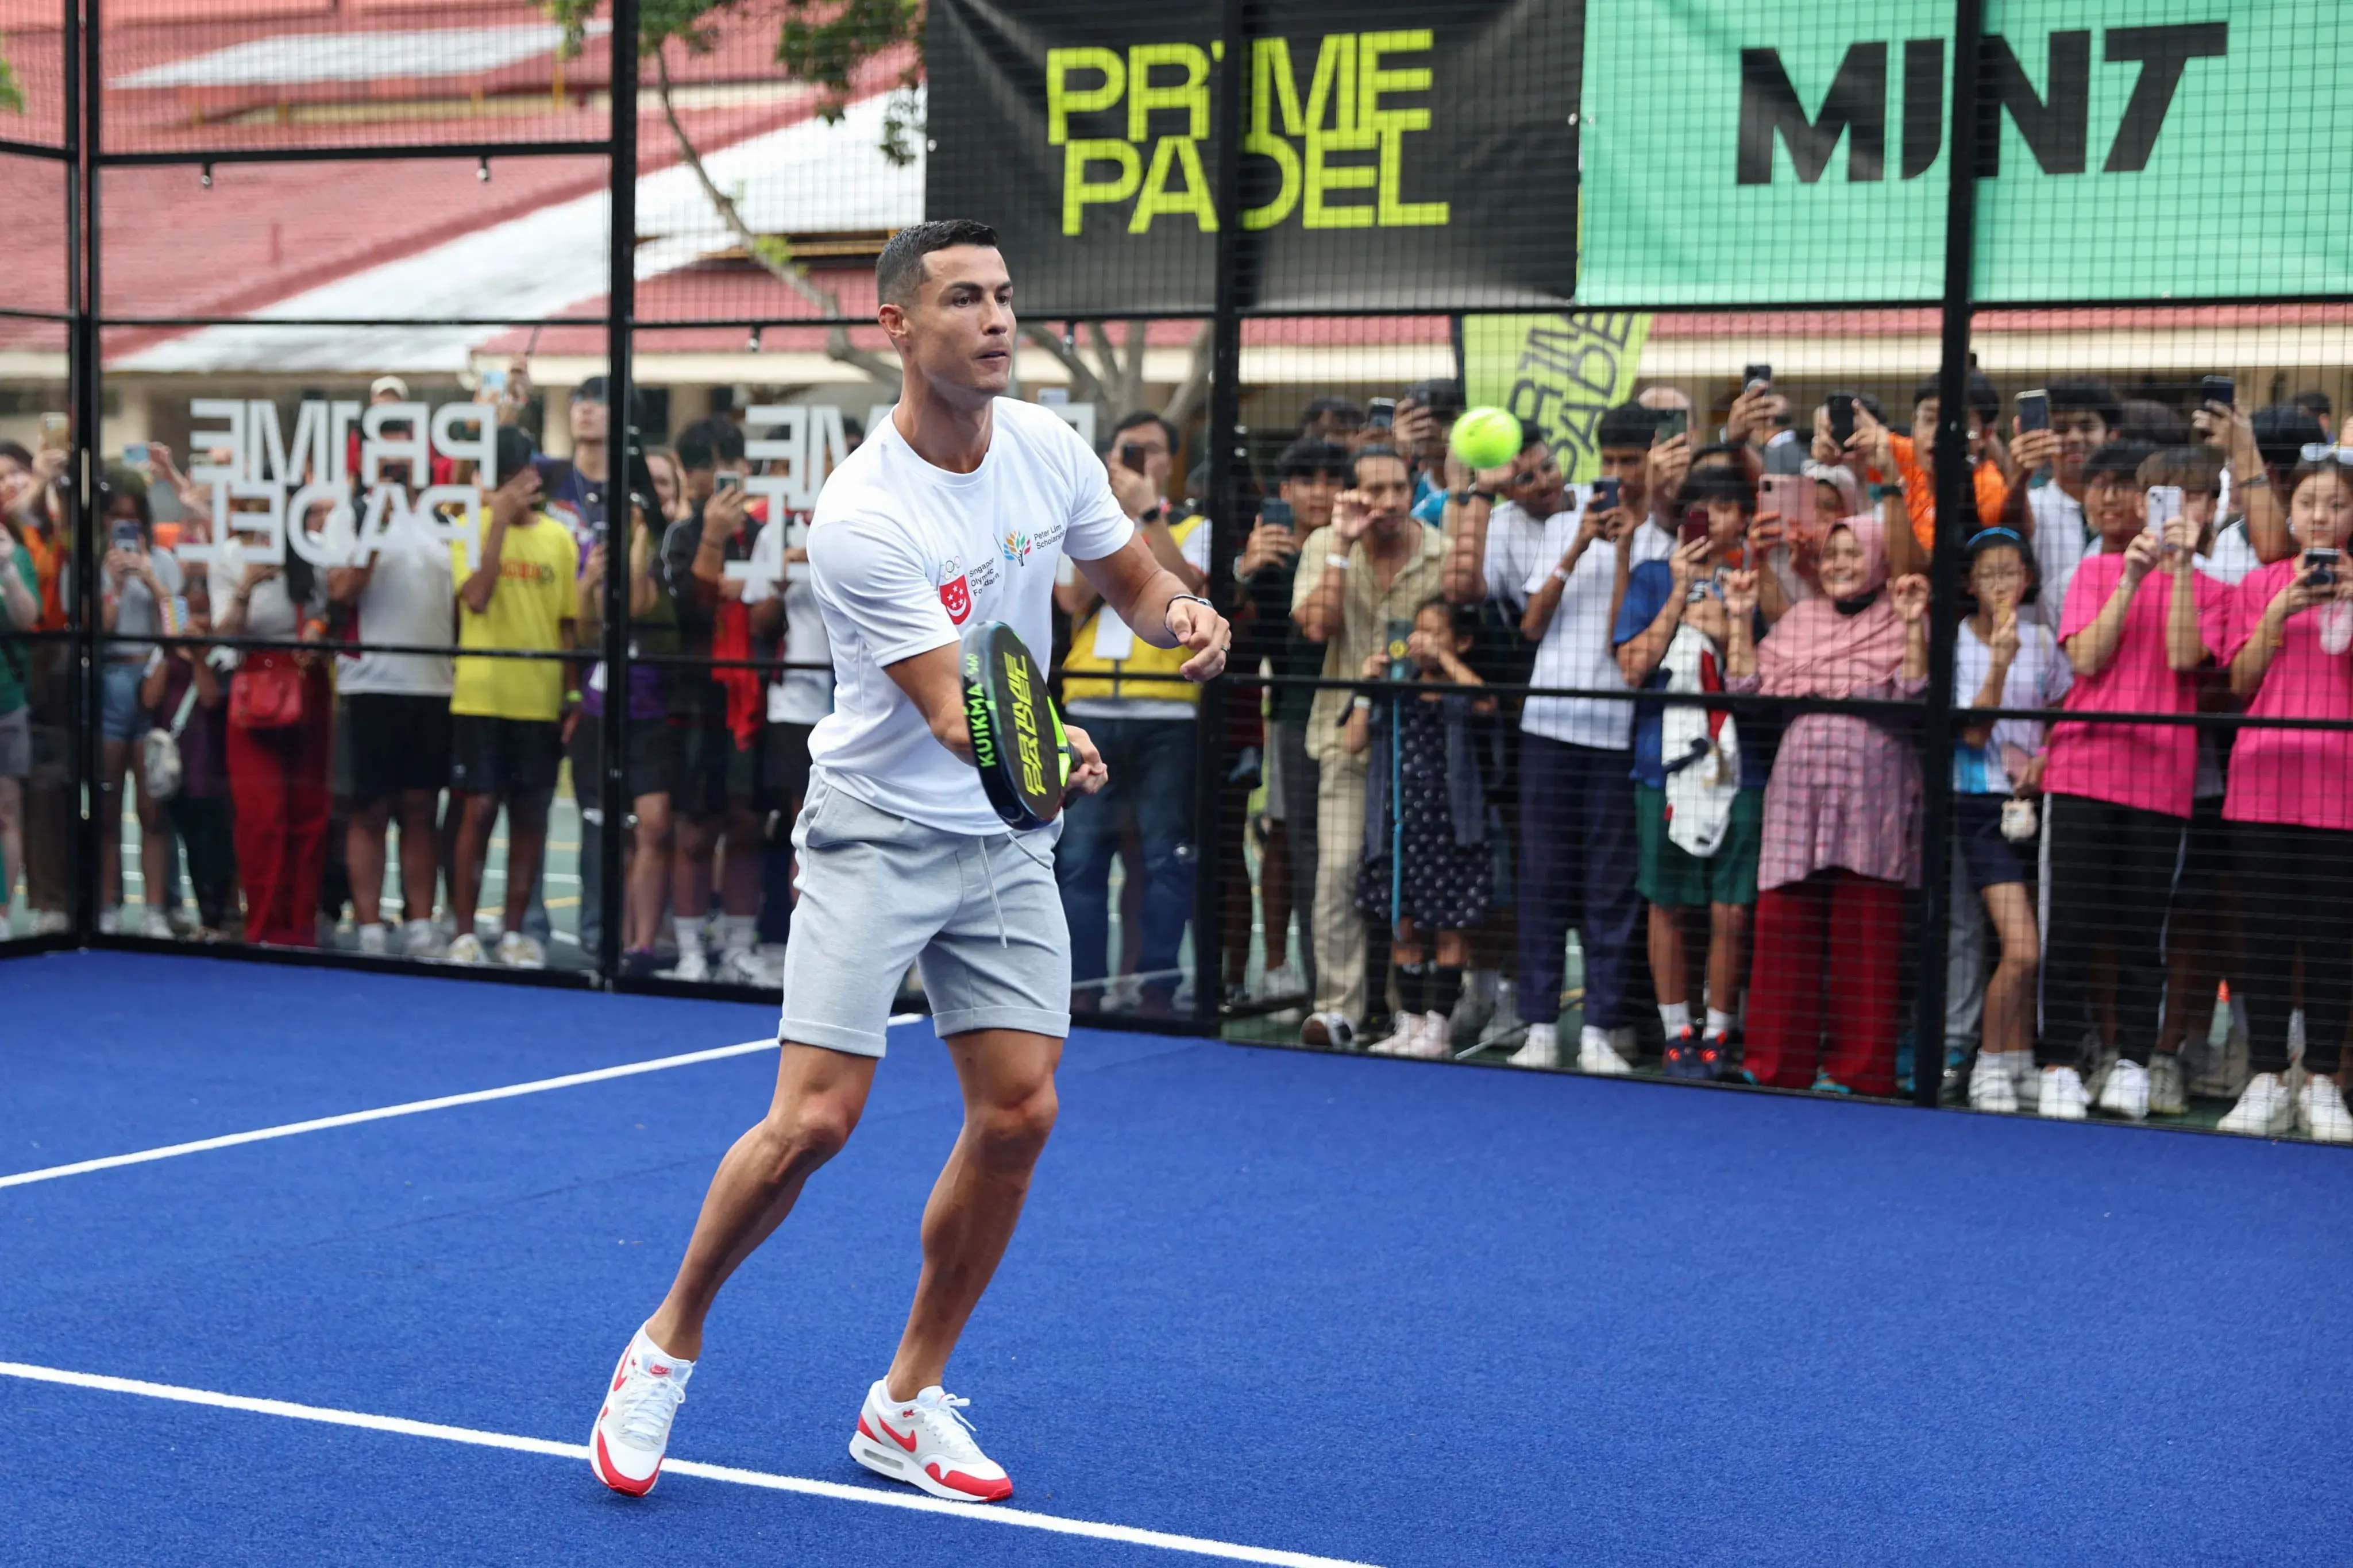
(267, 693)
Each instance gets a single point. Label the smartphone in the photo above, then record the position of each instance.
(1755, 376)
(1842, 408)
(1380, 413)
(56, 432)
(175, 616)
(494, 381)
(1132, 456)
(1275, 512)
(1395, 636)
(1605, 495)
(2219, 389)
(2033, 411)
(125, 536)
(727, 479)
(2320, 565)
(1796, 497)
(1694, 528)
(1677, 421)
(135, 454)
(2164, 506)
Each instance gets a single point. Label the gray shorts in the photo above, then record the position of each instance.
(982, 916)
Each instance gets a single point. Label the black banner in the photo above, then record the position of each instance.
(1400, 154)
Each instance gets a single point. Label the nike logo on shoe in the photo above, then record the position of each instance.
(907, 1442)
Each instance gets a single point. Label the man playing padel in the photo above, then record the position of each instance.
(902, 857)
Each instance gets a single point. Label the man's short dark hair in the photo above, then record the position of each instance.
(1983, 399)
(2283, 431)
(707, 443)
(2088, 394)
(2315, 403)
(1705, 485)
(1137, 416)
(1718, 455)
(898, 270)
(515, 451)
(1349, 414)
(1628, 425)
(1304, 459)
(2119, 457)
(2146, 419)
(1357, 463)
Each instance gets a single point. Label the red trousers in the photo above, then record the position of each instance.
(1824, 984)
(277, 780)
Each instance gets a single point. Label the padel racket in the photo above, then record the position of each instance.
(1017, 742)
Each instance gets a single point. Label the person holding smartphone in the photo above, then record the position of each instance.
(1680, 600)
(137, 582)
(20, 612)
(2292, 657)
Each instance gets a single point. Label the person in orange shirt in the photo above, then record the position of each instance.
(1915, 462)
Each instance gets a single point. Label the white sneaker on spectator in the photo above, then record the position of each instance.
(465, 949)
(1469, 1012)
(2025, 1078)
(2168, 1091)
(1336, 1030)
(1284, 980)
(1540, 1049)
(1504, 1024)
(692, 964)
(517, 951)
(745, 967)
(2320, 1113)
(1432, 1044)
(1991, 1086)
(1399, 1042)
(2060, 1095)
(109, 920)
(51, 922)
(2125, 1093)
(1598, 1053)
(2267, 1109)
(155, 923)
(375, 939)
(420, 939)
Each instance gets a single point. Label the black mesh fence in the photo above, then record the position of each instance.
(1894, 647)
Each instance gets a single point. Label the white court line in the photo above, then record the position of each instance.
(990, 1513)
(354, 1118)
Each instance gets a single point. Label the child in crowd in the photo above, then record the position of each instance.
(2292, 816)
(1841, 831)
(185, 694)
(1443, 766)
(2138, 621)
(1698, 796)
(2002, 661)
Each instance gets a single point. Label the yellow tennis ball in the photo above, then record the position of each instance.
(1486, 437)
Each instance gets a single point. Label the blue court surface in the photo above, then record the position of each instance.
(1288, 1307)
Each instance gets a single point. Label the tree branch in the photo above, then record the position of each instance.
(1085, 385)
(1190, 391)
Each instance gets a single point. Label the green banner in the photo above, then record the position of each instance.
(1557, 373)
(2126, 150)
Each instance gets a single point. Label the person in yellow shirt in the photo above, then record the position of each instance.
(507, 715)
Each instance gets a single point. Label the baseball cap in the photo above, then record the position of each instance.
(392, 384)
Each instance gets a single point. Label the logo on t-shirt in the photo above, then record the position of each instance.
(955, 594)
(1017, 547)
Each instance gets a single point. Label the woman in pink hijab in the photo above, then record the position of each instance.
(1841, 832)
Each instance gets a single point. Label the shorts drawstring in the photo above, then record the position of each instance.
(989, 865)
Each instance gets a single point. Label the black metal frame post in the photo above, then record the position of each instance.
(620, 441)
(1956, 507)
(82, 90)
(1226, 468)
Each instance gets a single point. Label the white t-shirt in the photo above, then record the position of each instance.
(904, 556)
(801, 696)
(1576, 652)
(2039, 677)
(409, 598)
(1516, 539)
(1115, 640)
(2059, 548)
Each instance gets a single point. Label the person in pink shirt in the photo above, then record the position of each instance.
(2139, 619)
(2291, 815)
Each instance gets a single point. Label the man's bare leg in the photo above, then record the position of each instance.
(1008, 1112)
(819, 1096)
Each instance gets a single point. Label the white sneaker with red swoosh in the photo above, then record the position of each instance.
(632, 1430)
(926, 1442)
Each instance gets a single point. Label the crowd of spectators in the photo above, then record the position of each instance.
(1742, 878)
(1478, 724)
